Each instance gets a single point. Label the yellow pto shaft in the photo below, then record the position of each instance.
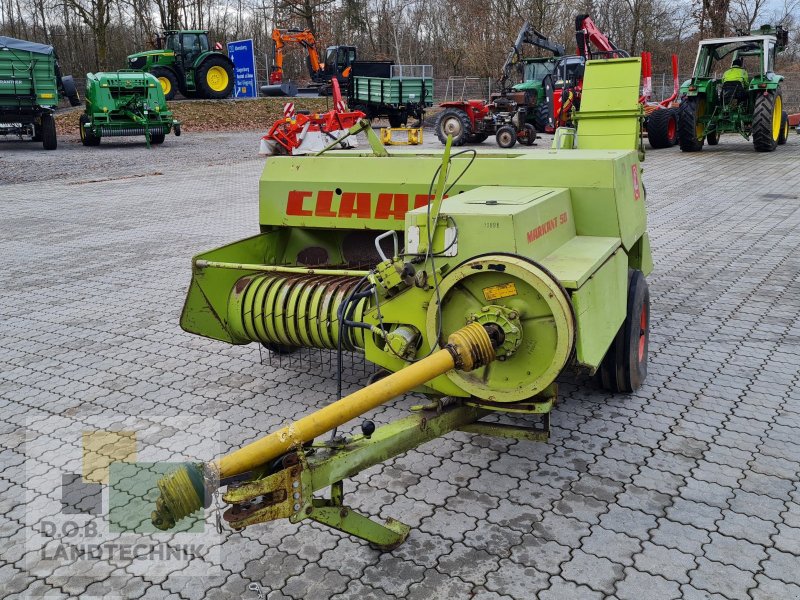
(182, 492)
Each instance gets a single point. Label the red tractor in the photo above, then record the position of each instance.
(505, 115)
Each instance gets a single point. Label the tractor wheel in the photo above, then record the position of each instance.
(477, 138)
(542, 116)
(456, 123)
(624, 366)
(528, 135)
(88, 138)
(712, 137)
(662, 128)
(49, 140)
(214, 78)
(168, 81)
(157, 138)
(767, 121)
(506, 136)
(690, 130)
(397, 119)
(784, 129)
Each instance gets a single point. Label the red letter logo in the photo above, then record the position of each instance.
(294, 206)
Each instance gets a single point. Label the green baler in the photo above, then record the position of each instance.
(125, 103)
(474, 279)
(31, 86)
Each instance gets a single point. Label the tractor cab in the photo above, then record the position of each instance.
(337, 60)
(187, 45)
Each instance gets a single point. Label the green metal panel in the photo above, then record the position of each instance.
(353, 190)
(27, 79)
(600, 309)
(575, 261)
(610, 96)
(383, 90)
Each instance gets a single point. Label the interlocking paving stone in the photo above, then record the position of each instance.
(686, 489)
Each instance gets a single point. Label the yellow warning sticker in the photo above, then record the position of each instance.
(504, 290)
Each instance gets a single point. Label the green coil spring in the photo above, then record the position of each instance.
(294, 310)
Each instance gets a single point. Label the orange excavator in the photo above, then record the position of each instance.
(337, 63)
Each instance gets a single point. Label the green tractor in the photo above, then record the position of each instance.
(537, 85)
(734, 89)
(184, 63)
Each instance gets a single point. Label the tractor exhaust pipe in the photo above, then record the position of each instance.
(189, 488)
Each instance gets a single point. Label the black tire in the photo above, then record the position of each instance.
(528, 135)
(455, 122)
(662, 128)
(397, 119)
(209, 68)
(88, 138)
(168, 81)
(712, 137)
(784, 129)
(70, 90)
(768, 108)
(49, 139)
(506, 136)
(542, 115)
(691, 132)
(477, 138)
(157, 138)
(624, 367)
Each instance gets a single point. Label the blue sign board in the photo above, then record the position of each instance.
(244, 69)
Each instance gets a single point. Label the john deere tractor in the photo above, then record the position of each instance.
(184, 63)
(734, 89)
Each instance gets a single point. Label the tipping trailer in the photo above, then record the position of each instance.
(384, 89)
(125, 103)
(31, 86)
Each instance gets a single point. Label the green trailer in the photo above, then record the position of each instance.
(31, 86)
(382, 89)
(125, 103)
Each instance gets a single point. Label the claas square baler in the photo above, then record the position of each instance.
(476, 280)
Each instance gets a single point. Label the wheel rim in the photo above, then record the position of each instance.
(452, 126)
(166, 85)
(505, 139)
(777, 112)
(217, 78)
(671, 128)
(699, 128)
(642, 332)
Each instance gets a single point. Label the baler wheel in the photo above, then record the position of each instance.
(767, 118)
(691, 131)
(784, 129)
(454, 122)
(624, 367)
(157, 138)
(712, 137)
(662, 128)
(87, 137)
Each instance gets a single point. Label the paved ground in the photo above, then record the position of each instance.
(687, 489)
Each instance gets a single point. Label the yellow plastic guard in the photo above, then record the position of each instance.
(610, 113)
(413, 136)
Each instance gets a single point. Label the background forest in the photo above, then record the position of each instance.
(457, 37)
